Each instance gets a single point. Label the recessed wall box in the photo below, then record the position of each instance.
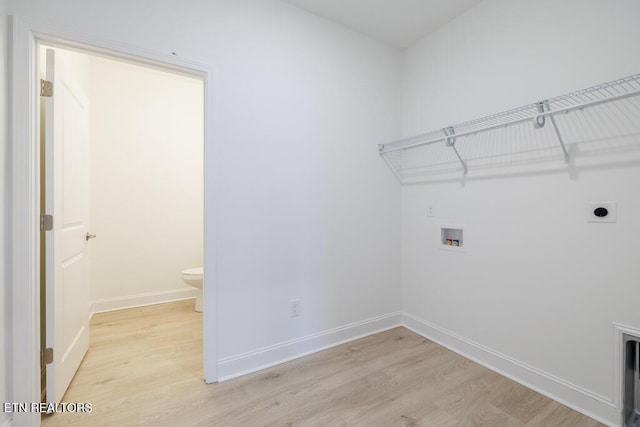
(631, 381)
(602, 212)
(452, 237)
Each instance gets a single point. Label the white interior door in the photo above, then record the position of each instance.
(67, 199)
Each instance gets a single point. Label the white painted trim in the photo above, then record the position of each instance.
(25, 236)
(25, 198)
(140, 300)
(618, 363)
(580, 399)
(266, 357)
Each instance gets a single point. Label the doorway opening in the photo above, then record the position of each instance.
(25, 216)
(133, 191)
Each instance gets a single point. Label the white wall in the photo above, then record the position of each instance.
(305, 207)
(5, 241)
(146, 183)
(538, 284)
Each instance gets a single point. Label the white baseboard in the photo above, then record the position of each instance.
(130, 301)
(246, 363)
(597, 407)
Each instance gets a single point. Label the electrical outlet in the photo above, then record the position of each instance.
(602, 212)
(294, 308)
(430, 211)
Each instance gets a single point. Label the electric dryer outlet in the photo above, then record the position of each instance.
(602, 212)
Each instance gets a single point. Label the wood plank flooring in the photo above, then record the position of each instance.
(144, 369)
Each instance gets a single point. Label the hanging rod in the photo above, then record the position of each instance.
(537, 113)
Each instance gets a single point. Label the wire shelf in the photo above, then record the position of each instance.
(537, 132)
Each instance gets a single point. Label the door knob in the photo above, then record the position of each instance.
(89, 236)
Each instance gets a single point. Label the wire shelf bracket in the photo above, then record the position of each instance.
(449, 133)
(539, 121)
(540, 113)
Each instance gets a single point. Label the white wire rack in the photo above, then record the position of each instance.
(534, 132)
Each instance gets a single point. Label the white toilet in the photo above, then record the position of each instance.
(193, 277)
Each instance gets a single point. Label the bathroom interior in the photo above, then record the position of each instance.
(146, 181)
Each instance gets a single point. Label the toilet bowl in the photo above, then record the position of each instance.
(193, 277)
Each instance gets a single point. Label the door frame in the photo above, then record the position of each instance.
(25, 185)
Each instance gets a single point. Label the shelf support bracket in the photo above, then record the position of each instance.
(450, 133)
(560, 140)
(539, 121)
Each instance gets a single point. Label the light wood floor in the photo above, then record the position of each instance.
(144, 368)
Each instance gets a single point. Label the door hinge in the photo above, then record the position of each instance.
(46, 222)
(46, 356)
(46, 88)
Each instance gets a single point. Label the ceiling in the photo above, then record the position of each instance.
(399, 23)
